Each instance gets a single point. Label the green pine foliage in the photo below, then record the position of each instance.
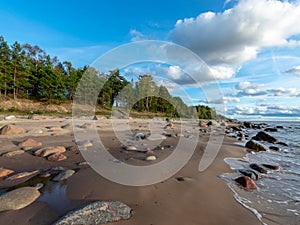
(27, 71)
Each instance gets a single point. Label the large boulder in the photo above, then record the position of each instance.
(263, 136)
(19, 198)
(100, 212)
(11, 130)
(246, 182)
(44, 152)
(256, 146)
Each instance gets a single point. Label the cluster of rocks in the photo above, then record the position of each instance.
(262, 141)
(249, 175)
(24, 196)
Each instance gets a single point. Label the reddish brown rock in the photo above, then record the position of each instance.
(57, 157)
(246, 182)
(44, 152)
(29, 142)
(11, 130)
(5, 172)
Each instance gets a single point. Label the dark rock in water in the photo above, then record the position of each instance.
(248, 124)
(246, 182)
(269, 129)
(258, 168)
(282, 143)
(274, 148)
(272, 167)
(241, 135)
(96, 213)
(254, 145)
(280, 127)
(249, 173)
(263, 136)
(236, 128)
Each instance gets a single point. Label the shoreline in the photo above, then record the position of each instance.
(202, 198)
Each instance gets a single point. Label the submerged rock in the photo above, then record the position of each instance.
(100, 212)
(63, 175)
(250, 173)
(258, 168)
(269, 129)
(11, 130)
(282, 143)
(274, 148)
(19, 198)
(246, 182)
(272, 167)
(254, 145)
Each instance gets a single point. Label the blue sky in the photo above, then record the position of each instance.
(252, 47)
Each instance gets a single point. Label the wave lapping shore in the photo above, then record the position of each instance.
(277, 197)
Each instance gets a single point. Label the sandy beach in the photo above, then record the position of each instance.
(189, 197)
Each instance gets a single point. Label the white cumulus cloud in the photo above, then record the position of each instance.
(235, 36)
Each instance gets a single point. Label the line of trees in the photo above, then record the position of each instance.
(27, 71)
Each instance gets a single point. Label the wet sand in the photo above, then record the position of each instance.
(202, 198)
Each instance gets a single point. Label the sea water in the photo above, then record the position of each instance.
(277, 199)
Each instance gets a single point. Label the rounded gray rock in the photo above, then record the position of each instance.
(19, 198)
(96, 213)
